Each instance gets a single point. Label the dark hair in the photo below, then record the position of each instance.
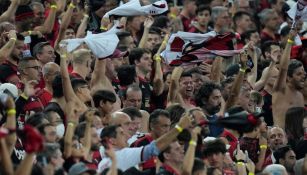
(204, 92)
(266, 47)
(77, 82)
(57, 86)
(80, 130)
(126, 74)
(38, 48)
(194, 70)
(247, 35)
(122, 35)
(153, 118)
(20, 37)
(41, 128)
(160, 22)
(293, 122)
(214, 147)
(285, 31)
(36, 119)
(226, 81)
(136, 54)
(238, 16)
(198, 165)
(175, 113)
(109, 132)
(133, 112)
(161, 155)
(203, 8)
(293, 65)
(104, 96)
(186, 74)
(281, 152)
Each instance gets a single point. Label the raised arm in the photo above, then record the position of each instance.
(216, 69)
(252, 76)
(265, 76)
(188, 160)
(64, 24)
(100, 81)
(166, 139)
(10, 124)
(82, 27)
(280, 83)
(173, 93)
(158, 84)
(73, 120)
(235, 89)
(147, 24)
(7, 49)
(6, 163)
(47, 27)
(9, 14)
(89, 117)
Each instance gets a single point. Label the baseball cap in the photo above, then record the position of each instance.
(80, 168)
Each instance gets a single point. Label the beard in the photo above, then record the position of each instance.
(213, 110)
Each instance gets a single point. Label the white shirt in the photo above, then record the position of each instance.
(126, 158)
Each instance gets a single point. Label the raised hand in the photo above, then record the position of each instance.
(195, 132)
(148, 22)
(239, 153)
(185, 121)
(29, 89)
(12, 34)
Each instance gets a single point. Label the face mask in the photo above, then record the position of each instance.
(60, 130)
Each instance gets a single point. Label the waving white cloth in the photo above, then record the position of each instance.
(134, 8)
(102, 45)
(299, 11)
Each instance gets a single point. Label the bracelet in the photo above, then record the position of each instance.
(30, 32)
(192, 142)
(24, 96)
(172, 15)
(103, 28)
(157, 58)
(11, 112)
(263, 146)
(71, 124)
(54, 7)
(64, 56)
(179, 128)
(72, 5)
(240, 163)
(13, 39)
(290, 41)
(242, 70)
(250, 173)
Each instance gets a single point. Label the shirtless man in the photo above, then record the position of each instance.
(286, 91)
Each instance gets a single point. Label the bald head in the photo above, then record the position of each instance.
(122, 119)
(277, 138)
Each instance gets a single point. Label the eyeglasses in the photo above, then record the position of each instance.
(34, 67)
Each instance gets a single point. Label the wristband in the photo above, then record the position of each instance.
(240, 163)
(242, 70)
(157, 58)
(72, 5)
(71, 124)
(30, 32)
(164, 42)
(250, 173)
(263, 146)
(290, 41)
(13, 39)
(24, 96)
(103, 28)
(11, 112)
(172, 15)
(86, 16)
(192, 142)
(54, 7)
(64, 56)
(179, 128)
